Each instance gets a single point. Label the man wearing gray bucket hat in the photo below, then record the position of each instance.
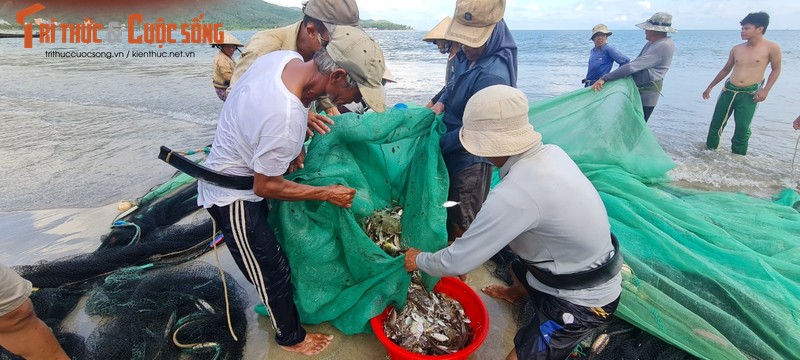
(650, 67)
(550, 215)
(260, 133)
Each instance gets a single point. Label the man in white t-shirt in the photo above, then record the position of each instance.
(260, 133)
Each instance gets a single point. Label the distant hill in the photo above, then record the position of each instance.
(233, 14)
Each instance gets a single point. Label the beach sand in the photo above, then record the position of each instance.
(33, 236)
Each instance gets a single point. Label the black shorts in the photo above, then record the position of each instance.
(558, 325)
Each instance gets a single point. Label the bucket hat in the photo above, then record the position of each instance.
(660, 21)
(600, 28)
(496, 123)
(474, 21)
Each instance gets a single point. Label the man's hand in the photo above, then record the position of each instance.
(796, 123)
(707, 93)
(761, 95)
(438, 108)
(411, 259)
(317, 122)
(429, 105)
(298, 162)
(598, 85)
(341, 196)
(333, 111)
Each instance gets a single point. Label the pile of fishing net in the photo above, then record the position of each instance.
(145, 297)
(715, 274)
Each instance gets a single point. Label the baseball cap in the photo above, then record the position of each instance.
(474, 21)
(358, 54)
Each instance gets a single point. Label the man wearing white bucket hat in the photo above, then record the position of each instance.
(550, 215)
(224, 64)
(651, 66)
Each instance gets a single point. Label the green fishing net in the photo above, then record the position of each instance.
(339, 274)
(716, 274)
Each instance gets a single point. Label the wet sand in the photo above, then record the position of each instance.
(27, 237)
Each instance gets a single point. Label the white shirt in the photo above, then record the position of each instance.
(549, 213)
(260, 130)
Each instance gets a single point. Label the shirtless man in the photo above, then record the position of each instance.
(742, 91)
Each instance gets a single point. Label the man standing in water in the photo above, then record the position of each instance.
(602, 56)
(742, 92)
(650, 67)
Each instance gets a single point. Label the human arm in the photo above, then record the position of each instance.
(775, 64)
(652, 57)
(504, 216)
(721, 75)
(277, 187)
(617, 56)
(224, 67)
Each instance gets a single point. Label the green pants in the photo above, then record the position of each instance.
(739, 102)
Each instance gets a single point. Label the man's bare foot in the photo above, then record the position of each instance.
(312, 345)
(507, 293)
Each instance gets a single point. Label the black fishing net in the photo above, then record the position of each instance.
(148, 305)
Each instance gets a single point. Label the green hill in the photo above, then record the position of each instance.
(234, 14)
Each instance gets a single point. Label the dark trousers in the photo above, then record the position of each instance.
(259, 256)
(469, 187)
(558, 325)
(648, 110)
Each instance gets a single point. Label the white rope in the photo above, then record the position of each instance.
(222, 275)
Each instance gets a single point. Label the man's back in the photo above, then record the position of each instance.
(751, 61)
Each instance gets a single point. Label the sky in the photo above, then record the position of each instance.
(584, 14)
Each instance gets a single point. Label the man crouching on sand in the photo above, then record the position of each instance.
(550, 215)
(260, 133)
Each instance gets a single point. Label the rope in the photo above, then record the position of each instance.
(205, 150)
(796, 144)
(123, 223)
(222, 274)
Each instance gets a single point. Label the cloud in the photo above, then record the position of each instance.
(645, 4)
(579, 8)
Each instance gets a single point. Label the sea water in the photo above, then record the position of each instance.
(85, 132)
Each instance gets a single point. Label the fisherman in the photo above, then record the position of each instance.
(651, 66)
(602, 56)
(436, 36)
(224, 63)
(306, 36)
(550, 215)
(264, 139)
(21, 331)
(742, 91)
(488, 57)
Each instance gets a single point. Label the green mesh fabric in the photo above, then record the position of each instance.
(338, 274)
(716, 274)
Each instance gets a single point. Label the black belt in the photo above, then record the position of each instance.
(584, 279)
(201, 172)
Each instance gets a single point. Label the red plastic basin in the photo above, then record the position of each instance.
(473, 307)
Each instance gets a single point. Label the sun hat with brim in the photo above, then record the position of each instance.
(333, 12)
(495, 123)
(474, 21)
(358, 54)
(437, 33)
(660, 21)
(600, 29)
(228, 39)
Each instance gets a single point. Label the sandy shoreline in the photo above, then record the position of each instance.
(28, 237)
